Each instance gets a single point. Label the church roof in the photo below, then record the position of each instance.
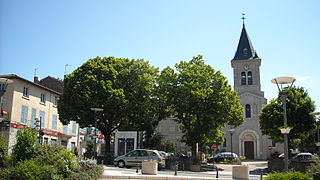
(245, 49)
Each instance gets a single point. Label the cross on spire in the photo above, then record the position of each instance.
(243, 18)
(245, 49)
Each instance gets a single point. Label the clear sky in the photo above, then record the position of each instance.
(49, 34)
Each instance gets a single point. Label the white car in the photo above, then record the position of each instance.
(303, 157)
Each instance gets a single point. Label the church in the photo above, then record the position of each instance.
(247, 139)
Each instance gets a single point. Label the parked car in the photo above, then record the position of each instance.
(290, 155)
(303, 157)
(222, 157)
(170, 153)
(163, 154)
(136, 157)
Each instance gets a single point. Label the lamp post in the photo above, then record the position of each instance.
(38, 126)
(231, 133)
(317, 114)
(285, 131)
(3, 87)
(95, 130)
(4, 82)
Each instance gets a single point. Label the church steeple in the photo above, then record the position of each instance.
(245, 49)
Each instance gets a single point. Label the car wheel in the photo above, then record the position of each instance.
(121, 164)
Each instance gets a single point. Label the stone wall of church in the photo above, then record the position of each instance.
(247, 139)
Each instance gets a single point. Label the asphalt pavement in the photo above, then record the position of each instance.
(255, 167)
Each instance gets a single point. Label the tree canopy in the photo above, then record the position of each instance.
(122, 87)
(201, 99)
(299, 107)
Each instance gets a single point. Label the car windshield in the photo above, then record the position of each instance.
(225, 155)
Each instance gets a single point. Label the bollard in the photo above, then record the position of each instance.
(137, 170)
(261, 174)
(175, 169)
(217, 174)
(102, 162)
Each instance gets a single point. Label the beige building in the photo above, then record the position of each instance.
(247, 139)
(24, 101)
(170, 130)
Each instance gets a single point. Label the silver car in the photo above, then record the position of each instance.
(303, 157)
(136, 157)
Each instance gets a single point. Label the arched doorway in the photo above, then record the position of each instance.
(249, 144)
(248, 141)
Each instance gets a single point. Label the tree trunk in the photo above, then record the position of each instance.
(193, 149)
(107, 140)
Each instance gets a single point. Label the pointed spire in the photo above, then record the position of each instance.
(245, 49)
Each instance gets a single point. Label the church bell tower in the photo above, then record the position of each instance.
(247, 139)
(246, 66)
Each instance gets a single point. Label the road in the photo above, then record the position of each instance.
(111, 172)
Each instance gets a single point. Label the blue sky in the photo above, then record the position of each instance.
(50, 34)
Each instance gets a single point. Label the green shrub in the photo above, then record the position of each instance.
(87, 174)
(31, 161)
(66, 162)
(46, 153)
(287, 176)
(9, 161)
(50, 172)
(169, 147)
(314, 169)
(7, 173)
(33, 170)
(79, 176)
(95, 172)
(90, 146)
(24, 149)
(87, 163)
(3, 151)
(29, 170)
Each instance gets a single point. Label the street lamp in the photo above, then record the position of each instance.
(286, 130)
(38, 126)
(231, 133)
(317, 114)
(95, 130)
(3, 87)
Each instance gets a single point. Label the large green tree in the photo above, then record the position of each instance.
(299, 107)
(201, 99)
(123, 88)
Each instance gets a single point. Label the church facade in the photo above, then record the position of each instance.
(247, 139)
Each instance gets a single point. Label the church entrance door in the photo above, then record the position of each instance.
(249, 149)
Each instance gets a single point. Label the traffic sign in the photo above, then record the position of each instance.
(214, 146)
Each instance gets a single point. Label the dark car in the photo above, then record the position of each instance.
(222, 157)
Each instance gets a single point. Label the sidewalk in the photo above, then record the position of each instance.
(111, 172)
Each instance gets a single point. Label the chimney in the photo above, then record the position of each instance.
(36, 79)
